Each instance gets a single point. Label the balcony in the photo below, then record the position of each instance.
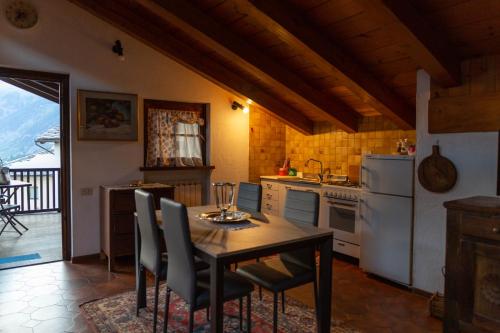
(40, 213)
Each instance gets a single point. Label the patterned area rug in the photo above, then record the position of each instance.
(117, 314)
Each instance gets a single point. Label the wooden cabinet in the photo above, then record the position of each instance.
(117, 217)
(472, 284)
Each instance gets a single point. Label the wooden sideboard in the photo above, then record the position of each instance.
(117, 217)
(472, 283)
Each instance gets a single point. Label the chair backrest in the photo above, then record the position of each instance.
(181, 275)
(249, 197)
(301, 207)
(150, 235)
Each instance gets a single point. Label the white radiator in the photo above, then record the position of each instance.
(188, 193)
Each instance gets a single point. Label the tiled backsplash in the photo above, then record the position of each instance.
(271, 142)
(267, 144)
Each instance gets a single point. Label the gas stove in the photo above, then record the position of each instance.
(341, 192)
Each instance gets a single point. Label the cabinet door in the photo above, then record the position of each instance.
(386, 231)
(479, 283)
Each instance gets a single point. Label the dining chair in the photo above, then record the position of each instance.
(182, 278)
(151, 258)
(249, 200)
(293, 268)
(249, 197)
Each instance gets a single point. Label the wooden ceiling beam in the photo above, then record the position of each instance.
(427, 46)
(291, 26)
(141, 24)
(204, 29)
(34, 87)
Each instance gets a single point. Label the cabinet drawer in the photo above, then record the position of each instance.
(481, 227)
(122, 223)
(123, 201)
(269, 195)
(270, 186)
(270, 207)
(346, 248)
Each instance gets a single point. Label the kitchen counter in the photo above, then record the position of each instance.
(292, 179)
(301, 181)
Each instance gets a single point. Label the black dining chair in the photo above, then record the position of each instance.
(249, 200)
(183, 279)
(7, 215)
(151, 258)
(290, 269)
(249, 197)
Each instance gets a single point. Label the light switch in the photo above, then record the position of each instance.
(86, 191)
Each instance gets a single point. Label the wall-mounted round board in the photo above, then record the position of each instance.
(437, 173)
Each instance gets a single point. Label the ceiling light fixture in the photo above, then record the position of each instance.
(235, 106)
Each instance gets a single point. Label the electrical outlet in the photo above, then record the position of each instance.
(86, 191)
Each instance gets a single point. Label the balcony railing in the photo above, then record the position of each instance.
(44, 193)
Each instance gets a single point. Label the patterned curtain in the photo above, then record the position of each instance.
(174, 138)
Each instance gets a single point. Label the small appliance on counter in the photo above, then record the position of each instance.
(386, 215)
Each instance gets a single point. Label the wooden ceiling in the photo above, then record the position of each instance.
(316, 60)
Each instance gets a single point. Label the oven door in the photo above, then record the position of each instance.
(342, 217)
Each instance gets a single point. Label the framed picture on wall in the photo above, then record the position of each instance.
(104, 116)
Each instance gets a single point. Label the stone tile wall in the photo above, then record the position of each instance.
(267, 144)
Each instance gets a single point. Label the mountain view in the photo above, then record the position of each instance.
(23, 117)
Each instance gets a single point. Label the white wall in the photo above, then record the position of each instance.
(70, 40)
(475, 157)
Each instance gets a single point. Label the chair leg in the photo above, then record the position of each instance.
(9, 221)
(260, 293)
(240, 300)
(315, 283)
(283, 301)
(208, 313)
(140, 284)
(17, 221)
(155, 308)
(167, 306)
(275, 313)
(249, 313)
(191, 320)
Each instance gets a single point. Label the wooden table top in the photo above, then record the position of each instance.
(15, 183)
(269, 231)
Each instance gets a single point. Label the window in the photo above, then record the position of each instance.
(174, 134)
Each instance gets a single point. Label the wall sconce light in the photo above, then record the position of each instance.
(235, 106)
(118, 49)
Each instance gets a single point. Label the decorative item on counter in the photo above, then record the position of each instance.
(292, 172)
(136, 183)
(4, 174)
(403, 146)
(412, 150)
(284, 170)
(437, 173)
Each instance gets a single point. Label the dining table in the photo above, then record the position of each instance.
(262, 235)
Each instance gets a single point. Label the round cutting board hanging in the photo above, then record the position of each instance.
(437, 173)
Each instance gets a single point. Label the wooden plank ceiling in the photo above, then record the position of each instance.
(316, 60)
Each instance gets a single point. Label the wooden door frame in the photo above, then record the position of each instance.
(64, 110)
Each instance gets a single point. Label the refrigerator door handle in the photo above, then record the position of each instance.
(363, 180)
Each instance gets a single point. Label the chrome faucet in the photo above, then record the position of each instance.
(320, 174)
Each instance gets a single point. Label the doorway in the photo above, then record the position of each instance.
(35, 204)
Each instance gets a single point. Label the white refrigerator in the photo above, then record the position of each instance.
(386, 215)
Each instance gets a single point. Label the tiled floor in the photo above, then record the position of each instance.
(43, 237)
(45, 298)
